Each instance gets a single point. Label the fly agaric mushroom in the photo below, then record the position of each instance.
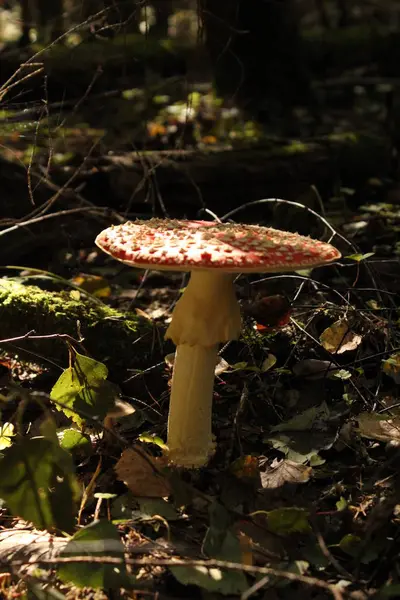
(208, 312)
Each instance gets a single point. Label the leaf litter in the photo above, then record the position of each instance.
(302, 494)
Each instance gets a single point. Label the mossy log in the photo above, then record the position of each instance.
(121, 341)
(186, 181)
(222, 179)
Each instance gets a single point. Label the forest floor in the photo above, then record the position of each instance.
(302, 495)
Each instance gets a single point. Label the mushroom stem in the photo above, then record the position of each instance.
(189, 423)
(208, 313)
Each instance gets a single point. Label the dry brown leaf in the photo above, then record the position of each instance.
(140, 472)
(339, 338)
(371, 425)
(285, 471)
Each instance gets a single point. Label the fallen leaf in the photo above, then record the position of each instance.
(339, 338)
(305, 420)
(391, 367)
(287, 520)
(284, 471)
(140, 472)
(268, 363)
(378, 427)
(151, 507)
(94, 284)
(313, 368)
(353, 546)
(246, 467)
(209, 139)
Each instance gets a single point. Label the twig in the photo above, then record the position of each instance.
(328, 554)
(315, 214)
(60, 213)
(334, 590)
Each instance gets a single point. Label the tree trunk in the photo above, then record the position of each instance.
(163, 9)
(255, 47)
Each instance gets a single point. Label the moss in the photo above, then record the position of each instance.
(121, 340)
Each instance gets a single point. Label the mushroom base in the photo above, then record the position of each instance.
(190, 441)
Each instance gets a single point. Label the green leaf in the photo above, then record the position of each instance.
(350, 544)
(220, 543)
(210, 579)
(220, 521)
(305, 420)
(287, 520)
(360, 257)
(301, 448)
(100, 538)
(151, 507)
(353, 546)
(6, 435)
(74, 441)
(391, 366)
(38, 483)
(268, 363)
(341, 374)
(150, 438)
(341, 504)
(84, 387)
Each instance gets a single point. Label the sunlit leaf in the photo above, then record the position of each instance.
(94, 284)
(285, 471)
(341, 374)
(339, 338)
(379, 427)
(360, 257)
(6, 435)
(84, 387)
(149, 438)
(341, 504)
(74, 441)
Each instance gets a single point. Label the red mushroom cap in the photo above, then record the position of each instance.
(197, 245)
